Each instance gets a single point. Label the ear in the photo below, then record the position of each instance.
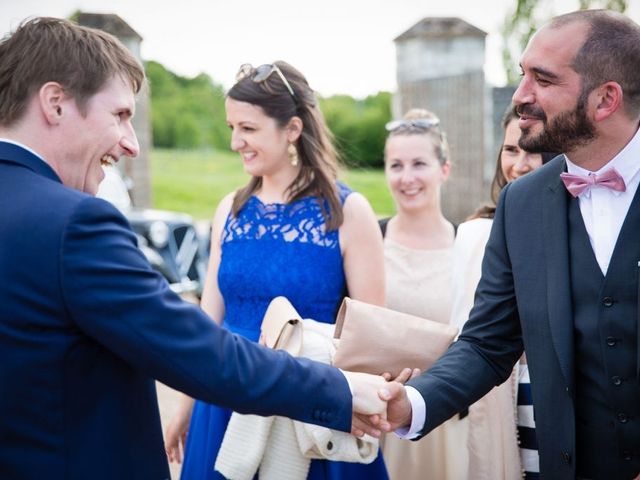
(608, 100)
(446, 171)
(51, 97)
(294, 129)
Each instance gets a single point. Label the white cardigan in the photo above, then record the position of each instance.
(281, 448)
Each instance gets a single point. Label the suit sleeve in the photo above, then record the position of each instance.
(116, 299)
(489, 344)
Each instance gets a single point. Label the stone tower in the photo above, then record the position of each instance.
(136, 169)
(440, 67)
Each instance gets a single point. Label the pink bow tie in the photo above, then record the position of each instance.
(576, 184)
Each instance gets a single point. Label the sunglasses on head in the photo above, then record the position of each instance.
(416, 124)
(262, 73)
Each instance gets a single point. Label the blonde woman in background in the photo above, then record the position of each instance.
(495, 451)
(418, 254)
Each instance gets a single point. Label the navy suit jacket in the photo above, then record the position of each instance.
(524, 293)
(86, 326)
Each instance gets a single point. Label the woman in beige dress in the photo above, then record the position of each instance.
(418, 251)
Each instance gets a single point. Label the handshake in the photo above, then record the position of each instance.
(379, 404)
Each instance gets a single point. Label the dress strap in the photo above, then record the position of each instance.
(343, 191)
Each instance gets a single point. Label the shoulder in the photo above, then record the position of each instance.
(474, 227)
(224, 207)
(548, 174)
(359, 219)
(89, 210)
(223, 210)
(356, 204)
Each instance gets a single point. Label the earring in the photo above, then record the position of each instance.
(293, 154)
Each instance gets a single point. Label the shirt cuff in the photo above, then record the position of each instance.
(418, 415)
(348, 382)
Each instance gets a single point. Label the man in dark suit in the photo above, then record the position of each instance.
(85, 323)
(561, 268)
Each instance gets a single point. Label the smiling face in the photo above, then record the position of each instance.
(553, 108)
(550, 101)
(413, 171)
(258, 139)
(515, 161)
(95, 135)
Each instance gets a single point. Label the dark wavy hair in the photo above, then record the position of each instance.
(317, 155)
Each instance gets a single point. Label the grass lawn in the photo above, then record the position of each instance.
(194, 181)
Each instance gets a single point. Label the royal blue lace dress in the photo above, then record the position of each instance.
(267, 251)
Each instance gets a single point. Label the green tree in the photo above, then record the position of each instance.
(358, 126)
(186, 112)
(529, 15)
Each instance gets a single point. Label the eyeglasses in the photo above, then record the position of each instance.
(417, 124)
(262, 73)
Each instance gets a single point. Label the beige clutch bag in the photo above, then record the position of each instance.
(376, 340)
(281, 327)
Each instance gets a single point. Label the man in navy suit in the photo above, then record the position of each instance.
(560, 275)
(85, 323)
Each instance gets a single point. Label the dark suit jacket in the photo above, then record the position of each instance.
(85, 327)
(524, 292)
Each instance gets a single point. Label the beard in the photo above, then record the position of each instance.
(563, 133)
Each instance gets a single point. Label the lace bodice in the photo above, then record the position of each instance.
(279, 249)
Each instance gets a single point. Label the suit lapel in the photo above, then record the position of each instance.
(556, 248)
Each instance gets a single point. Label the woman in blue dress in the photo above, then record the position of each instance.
(293, 230)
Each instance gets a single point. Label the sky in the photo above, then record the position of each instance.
(341, 46)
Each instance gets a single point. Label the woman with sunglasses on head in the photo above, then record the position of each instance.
(502, 443)
(293, 230)
(418, 241)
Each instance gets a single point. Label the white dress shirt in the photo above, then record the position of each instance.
(603, 211)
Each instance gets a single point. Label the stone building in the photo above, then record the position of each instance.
(440, 67)
(138, 169)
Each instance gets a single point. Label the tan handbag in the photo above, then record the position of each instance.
(281, 327)
(376, 340)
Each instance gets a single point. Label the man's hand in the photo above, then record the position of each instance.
(398, 407)
(368, 406)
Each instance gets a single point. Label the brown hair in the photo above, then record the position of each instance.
(48, 49)
(435, 133)
(611, 52)
(499, 180)
(318, 157)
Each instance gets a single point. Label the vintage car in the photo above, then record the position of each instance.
(169, 240)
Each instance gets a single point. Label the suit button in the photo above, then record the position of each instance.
(622, 417)
(330, 446)
(626, 455)
(616, 380)
(611, 341)
(607, 301)
(566, 456)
